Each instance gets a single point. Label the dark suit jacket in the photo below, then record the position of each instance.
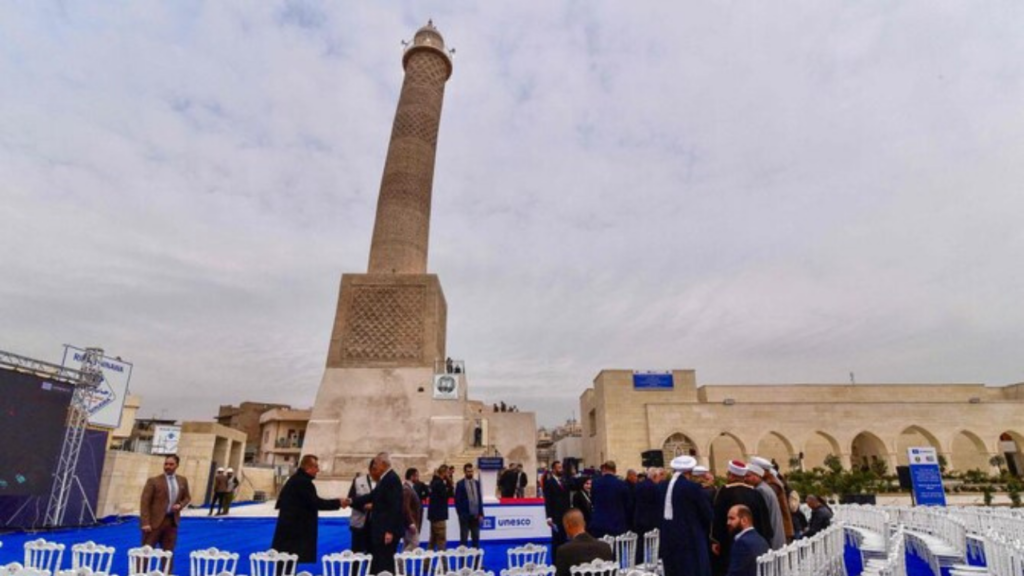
(387, 514)
(462, 498)
(612, 503)
(298, 508)
(155, 498)
(821, 517)
(745, 550)
(437, 509)
(647, 507)
(556, 500)
(583, 548)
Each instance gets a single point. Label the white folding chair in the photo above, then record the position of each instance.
(43, 555)
(652, 547)
(470, 572)
(528, 554)
(625, 550)
(273, 563)
(347, 563)
(22, 571)
(530, 570)
(96, 557)
(595, 568)
(418, 562)
(456, 559)
(142, 561)
(213, 562)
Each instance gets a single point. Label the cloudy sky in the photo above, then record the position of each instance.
(764, 193)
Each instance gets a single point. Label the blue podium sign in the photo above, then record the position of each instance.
(490, 463)
(926, 477)
(652, 381)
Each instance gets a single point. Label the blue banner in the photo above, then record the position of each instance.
(490, 463)
(926, 477)
(652, 381)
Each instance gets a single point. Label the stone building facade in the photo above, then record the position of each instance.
(800, 424)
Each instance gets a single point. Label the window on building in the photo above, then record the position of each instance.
(592, 422)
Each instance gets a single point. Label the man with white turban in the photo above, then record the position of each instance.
(685, 523)
(755, 479)
(733, 493)
(771, 478)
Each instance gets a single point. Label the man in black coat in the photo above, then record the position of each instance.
(437, 510)
(685, 517)
(581, 548)
(612, 503)
(556, 504)
(299, 506)
(387, 521)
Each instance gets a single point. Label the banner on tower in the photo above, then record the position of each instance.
(108, 400)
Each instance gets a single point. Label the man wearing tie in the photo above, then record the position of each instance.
(556, 504)
(163, 497)
(469, 506)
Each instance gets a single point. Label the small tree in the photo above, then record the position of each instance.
(943, 464)
(880, 468)
(1013, 491)
(998, 461)
(987, 491)
(794, 462)
(833, 463)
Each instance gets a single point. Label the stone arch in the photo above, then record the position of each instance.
(774, 446)
(726, 446)
(678, 444)
(1011, 445)
(818, 446)
(867, 448)
(967, 452)
(914, 436)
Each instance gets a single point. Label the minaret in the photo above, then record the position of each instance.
(402, 228)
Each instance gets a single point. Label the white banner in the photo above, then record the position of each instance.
(501, 522)
(165, 439)
(108, 401)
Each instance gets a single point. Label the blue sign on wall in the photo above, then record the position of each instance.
(490, 463)
(652, 381)
(926, 477)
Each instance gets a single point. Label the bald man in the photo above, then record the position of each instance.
(581, 547)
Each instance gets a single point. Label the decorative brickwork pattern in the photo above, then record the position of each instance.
(402, 228)
(386, 324)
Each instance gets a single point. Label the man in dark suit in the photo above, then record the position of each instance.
(611, 501)
(437, 510)
(581, 547)
(747, 543)
(163, 497)
(387, 517)
(469, 505)
(298, 507)
(556, 504)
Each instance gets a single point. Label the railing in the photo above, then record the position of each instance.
(288, 443)
(819, 555)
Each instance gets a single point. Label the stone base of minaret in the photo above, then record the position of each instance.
(377, 393)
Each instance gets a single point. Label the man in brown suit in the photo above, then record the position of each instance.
(160, 510)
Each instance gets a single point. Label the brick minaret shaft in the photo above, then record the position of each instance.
(402, 228)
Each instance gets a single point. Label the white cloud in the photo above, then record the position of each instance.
(764, 195)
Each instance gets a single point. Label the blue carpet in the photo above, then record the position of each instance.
(853, 560)
(241, 535)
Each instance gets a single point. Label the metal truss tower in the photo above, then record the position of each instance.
(86, 381)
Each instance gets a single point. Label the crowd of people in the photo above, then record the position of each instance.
(706, 527)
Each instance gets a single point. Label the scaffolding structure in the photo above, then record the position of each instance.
(85, 381)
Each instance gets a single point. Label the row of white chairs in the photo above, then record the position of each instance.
(819, 555)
